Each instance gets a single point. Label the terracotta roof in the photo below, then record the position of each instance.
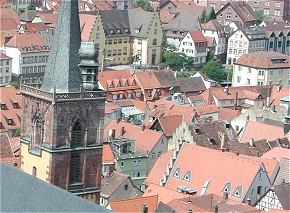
(3, 56)
(259, 131)
(277, 153)
(165, 195)
(7, 95)
(147, 140)
(131, 131)
(111, 183)
(32, 41)
(192, 84)
(156, 173)
(106, 78)
(48, 17)
(231, 168)
(168, 124)
(264, 59)
(9, 13)
(228, 114)
(33, 27)
(135, 205)
(213, 25)
(166, 16)
(277, 93)
(111, 107)
(205, 203)
(108, 156)
(197, 36)
(87, 22)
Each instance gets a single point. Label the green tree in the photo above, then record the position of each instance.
(210, 55)
(145, 5)
(261, 15)
(31, 6)
(211, 15)
(214, 70)
(203, 16)
(15, 84)
(20, 11)
(184, 74)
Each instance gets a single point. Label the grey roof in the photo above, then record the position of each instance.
(28, 15)
(282, 192)
(21, 192)
(283, 174)
(135, 18)
(131, 110)
(115, 20)
(182, 23)
(62, 69)
(192, 84)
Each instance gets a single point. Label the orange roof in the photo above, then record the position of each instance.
(156, 173)
(131, 131)
(226, 167)
(3, 56)
(277, 153)
(169, 124)
(9, 13)
(228, 114)
(147, 80)
(8, 96)
(165, 195)
(197, 36)
(166, 16)
(259, 131)
(264, 59)
(115, 77)
(147, 140)
(108, 156)
(28, 40)
(87, 22)
(33, 27)
(110, 107)
(277, 93)
(135, 204)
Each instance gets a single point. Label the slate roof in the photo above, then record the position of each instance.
(134, 21)
(135, 204)
(263, 59)
(192, 84)
(28, 15)
(111, 183)
(283, 174)
(43, 197)
(182, 23)
(282, 192)
(65, 77)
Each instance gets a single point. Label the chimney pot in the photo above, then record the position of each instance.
(249, 201)
(257, 153)
(225, 196)
(273, 108)
(15, 163)
(122, 131)
(251, 142)
(142, 127)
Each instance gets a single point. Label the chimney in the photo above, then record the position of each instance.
(118, 120)
(226, 90)
(223, 141)
(109, 170)
(279, 88)
(142, 127)
(251, 142)
(268, 101)
(236, 101)
(15, 163)
(122, 131)
(144, 209)
(237, 153)
(248, 201)
(225, 196)
(273, 108)
(189, 210)
(113, 133)
(126, 119)
(257, 153)
(215, 208)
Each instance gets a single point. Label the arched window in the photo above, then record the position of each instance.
(76, 134)
(75, 168)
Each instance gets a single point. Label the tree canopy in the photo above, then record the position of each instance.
(176, 59)
(31, 6)
(214, 70)
(261, 15)
(211, 15)
(145, 5)
(184, 74)
(203, 16)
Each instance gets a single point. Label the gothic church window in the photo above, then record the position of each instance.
(76, 134)
(75, 168)
(37, 133)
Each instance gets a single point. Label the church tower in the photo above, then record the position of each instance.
(62, 122)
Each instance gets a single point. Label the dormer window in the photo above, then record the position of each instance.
(10, 121)
(133, 83)
(177, 173)
(126, 30)
(187, 176)
(119, 84)
(112, 31)
(137, 30)
(118, 31)
(3, 106)
(111, 85)
(149, 93)
(126, 83)
(15, 105)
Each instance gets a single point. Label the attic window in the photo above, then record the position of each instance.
(177, 173)
(227, 188)
(112, 31)
(133, 83)
(126, 83)
(1, 125)
(126, 30)
(278, 61)
(118, 31)
(10, 121)
(187, 176)
(204, 188)
(119, 84)
(137, 30)
(111, 85)
(238, 192)
(3, 106)
(149, 93)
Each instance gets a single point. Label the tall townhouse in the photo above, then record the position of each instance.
(29, 55)
(214, 29)
(244, 41)
(127, 36)
(275, 9)
(5, 69)
(262, 68)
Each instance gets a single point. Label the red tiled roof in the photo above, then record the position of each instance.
(33, 27)
(108, 156)
(147, 140)
(212, 25)
(259, 131)
(263, 59)
(110, 107)
(27, 40)
(131, 131)
(48, 17)
(147, 80)
(165, 195)
(87, 22)
(226, 167)
(277, 93)
(3, 56)
(135, 204)
(228, 114)
(277, 153)
(166, 16)
(197, 36)
(8, 94)
(169, 124)
(9, 13)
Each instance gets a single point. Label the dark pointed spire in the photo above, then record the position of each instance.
(62, 69)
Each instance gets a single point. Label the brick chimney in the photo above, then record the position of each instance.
(142, 127)
(248, 201)
(225, 196)
(144, 209)
(122, 131)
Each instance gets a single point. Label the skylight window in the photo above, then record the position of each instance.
(227, 188)
(177, 173)
(187, 176)
(238, 192)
